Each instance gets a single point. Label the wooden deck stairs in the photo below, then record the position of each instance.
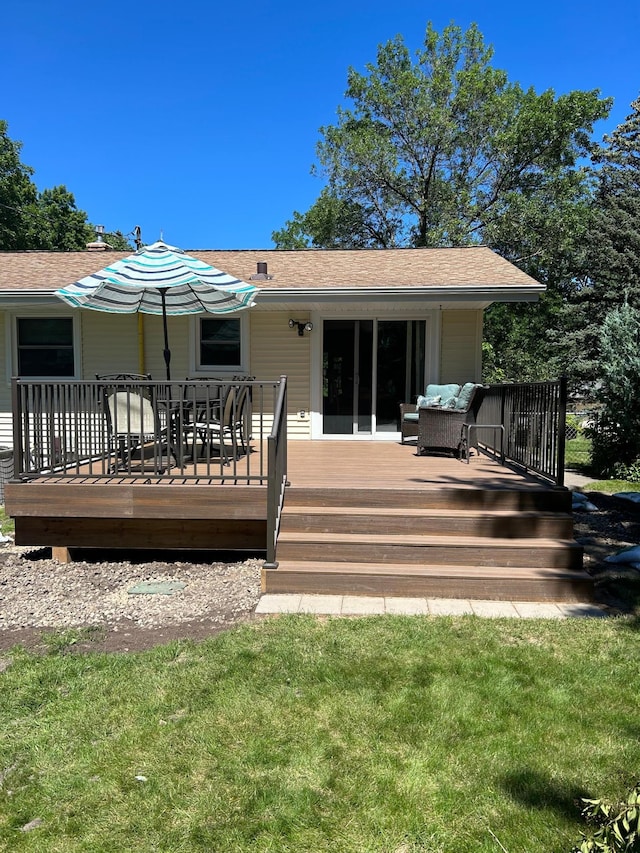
(500, 544)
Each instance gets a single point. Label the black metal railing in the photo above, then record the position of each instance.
(533, 415)
(213, 429)
(277, 454)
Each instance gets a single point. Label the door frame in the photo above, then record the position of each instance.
(432, 319)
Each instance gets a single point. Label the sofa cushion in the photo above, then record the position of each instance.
(412, 417)
(445, 392)
(464, 397)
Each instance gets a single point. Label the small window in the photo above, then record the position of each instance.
(220, 342)
(45, 346)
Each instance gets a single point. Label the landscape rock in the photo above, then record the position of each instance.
(37, 592)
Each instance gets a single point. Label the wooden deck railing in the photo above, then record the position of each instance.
(533, 415)
(213, 430)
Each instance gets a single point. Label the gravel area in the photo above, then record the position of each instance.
(603, 531)
(39, 594)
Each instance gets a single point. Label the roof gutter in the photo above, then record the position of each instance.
(483, 293)
(505, 293)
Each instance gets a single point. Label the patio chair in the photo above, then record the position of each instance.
(433, 395)
(123, 377)
(137, 437)
(222, 424)
(441, 428)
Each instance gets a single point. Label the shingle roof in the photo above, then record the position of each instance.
(307, 269)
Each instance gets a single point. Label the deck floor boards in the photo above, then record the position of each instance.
(391, 465)
(340, 465)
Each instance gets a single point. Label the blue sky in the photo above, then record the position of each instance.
(200, 119)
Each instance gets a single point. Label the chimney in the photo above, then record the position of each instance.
(99, 244)
(261, 273)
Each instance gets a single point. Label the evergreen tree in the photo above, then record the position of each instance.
(616, 441)
(611, 274)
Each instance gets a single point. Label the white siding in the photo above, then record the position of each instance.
(277, 350)
(461, 346)
(6, 424)
(110, 344)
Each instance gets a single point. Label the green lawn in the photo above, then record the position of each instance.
(610, 487)
(6, 523)
(577, 451)
(295, 734)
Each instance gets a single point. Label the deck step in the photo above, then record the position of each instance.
(429, 550)
(517, 583)
(543, 498)
(505, 523)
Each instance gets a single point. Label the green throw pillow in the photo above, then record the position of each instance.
(464, 396)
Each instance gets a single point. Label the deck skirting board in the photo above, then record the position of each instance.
(191, 534)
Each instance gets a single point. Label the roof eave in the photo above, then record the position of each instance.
(450, 293)
(465, 293)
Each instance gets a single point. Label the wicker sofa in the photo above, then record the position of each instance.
(438, 417)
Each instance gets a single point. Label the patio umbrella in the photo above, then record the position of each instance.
(160, 279)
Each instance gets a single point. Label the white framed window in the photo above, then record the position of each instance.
(221, 344)
(45, 346)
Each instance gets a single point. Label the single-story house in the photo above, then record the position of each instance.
(336, 341)
(355, 331)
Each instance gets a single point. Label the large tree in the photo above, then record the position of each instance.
(56, 223)
(30, 219)
(18, 194)
(611, 277)
(444, 151)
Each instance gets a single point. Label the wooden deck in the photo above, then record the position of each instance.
(391, 465)
(361, 517)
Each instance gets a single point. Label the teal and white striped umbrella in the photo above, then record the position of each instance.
(160, 279)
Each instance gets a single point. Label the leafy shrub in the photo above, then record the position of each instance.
(630, 473)
(617, 825)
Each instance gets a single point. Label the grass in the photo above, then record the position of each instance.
(577, 451)
(610, 487)
(383, 734)
(6, 522)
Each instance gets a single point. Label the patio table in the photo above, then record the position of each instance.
(182, 417)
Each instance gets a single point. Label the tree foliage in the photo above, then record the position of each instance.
(444, 151)
(18, 194)
(616, 441)
(30, 219)
(611, 275)
(616, 250)
(57, 223)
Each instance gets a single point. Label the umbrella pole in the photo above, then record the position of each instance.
(167, 351)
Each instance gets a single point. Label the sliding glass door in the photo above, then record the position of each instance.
(369, 368)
